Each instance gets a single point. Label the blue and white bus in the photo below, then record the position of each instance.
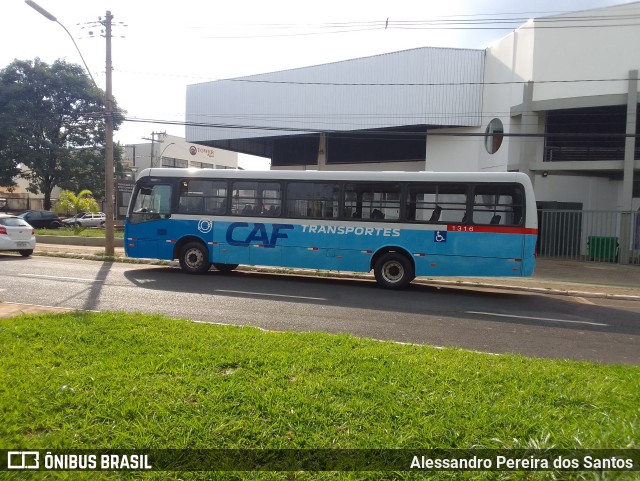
(398, 224)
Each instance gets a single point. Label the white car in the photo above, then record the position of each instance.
(86, 219)
(16, 234)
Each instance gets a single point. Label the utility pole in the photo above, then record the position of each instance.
(153, 143)
(108, 161)
(108, 116)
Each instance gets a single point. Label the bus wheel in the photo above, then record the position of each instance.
(194, 258)
(393, 271)
(225, 267)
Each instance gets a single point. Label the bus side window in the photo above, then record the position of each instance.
(202, 196)
(372, 201)
(256, 198)
(435, 215)
(437, 203)
(215, 206)
(498, 204)
(191, 205)
(244, 197)
(270, 199)
(312, 199)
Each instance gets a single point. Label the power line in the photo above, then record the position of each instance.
(387, 133)
(419, 84)
(460, 22)
(368, 84)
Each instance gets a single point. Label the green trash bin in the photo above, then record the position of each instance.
(602, 248)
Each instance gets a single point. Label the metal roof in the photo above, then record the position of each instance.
(424, 86)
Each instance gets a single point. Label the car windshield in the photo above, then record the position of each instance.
(13, 222)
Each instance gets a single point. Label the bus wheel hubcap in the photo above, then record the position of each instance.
(194, 258)
(393, 271)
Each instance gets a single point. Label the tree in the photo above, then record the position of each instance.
(55, 123)
(86, 170)
(8, 168)
(70, 203)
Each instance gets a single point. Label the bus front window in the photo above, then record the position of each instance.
(152, 202)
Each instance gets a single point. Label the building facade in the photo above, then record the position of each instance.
(557, 99)
(171, 151)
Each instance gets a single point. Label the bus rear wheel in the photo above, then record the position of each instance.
(393, 271)
(194, 258)
(225, 267)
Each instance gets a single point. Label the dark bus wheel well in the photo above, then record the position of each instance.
(386, 250)
(185, 240)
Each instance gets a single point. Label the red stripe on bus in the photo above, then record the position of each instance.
(494, 229)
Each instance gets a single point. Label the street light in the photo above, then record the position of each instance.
(160, 156)
(108, 113)
(46, 14)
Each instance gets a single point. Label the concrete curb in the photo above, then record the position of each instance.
(12, 309)
(537, 290)
(76, 240)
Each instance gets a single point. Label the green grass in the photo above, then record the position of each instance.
(114, 380)
(81, 231)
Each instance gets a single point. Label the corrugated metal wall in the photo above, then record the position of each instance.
(424, 86)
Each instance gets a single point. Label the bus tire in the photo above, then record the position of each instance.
(194, 258)
(394, 271)
(225, 267)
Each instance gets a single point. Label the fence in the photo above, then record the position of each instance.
(19, 203)
(597, 236)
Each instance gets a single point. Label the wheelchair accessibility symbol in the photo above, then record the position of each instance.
(440, 236)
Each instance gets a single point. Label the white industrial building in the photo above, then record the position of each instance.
(171, 151)
(557, 99)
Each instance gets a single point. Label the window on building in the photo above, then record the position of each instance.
(493, 136)
(587, 134)
(172, 162)
(315, 200)
(201, 165)
(374, 201)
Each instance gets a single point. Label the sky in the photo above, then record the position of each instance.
(160, 47)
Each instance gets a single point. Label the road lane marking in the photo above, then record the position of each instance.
(535, 318)
(60, 278)
(272, 295)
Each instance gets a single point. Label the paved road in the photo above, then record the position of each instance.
(533, 325)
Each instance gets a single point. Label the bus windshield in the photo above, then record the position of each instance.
(151, 202)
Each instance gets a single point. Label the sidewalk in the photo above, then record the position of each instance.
(561, 277)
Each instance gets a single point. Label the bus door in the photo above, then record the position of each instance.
(201, 203)
(148, 225)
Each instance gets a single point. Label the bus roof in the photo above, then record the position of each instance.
(389, 176)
